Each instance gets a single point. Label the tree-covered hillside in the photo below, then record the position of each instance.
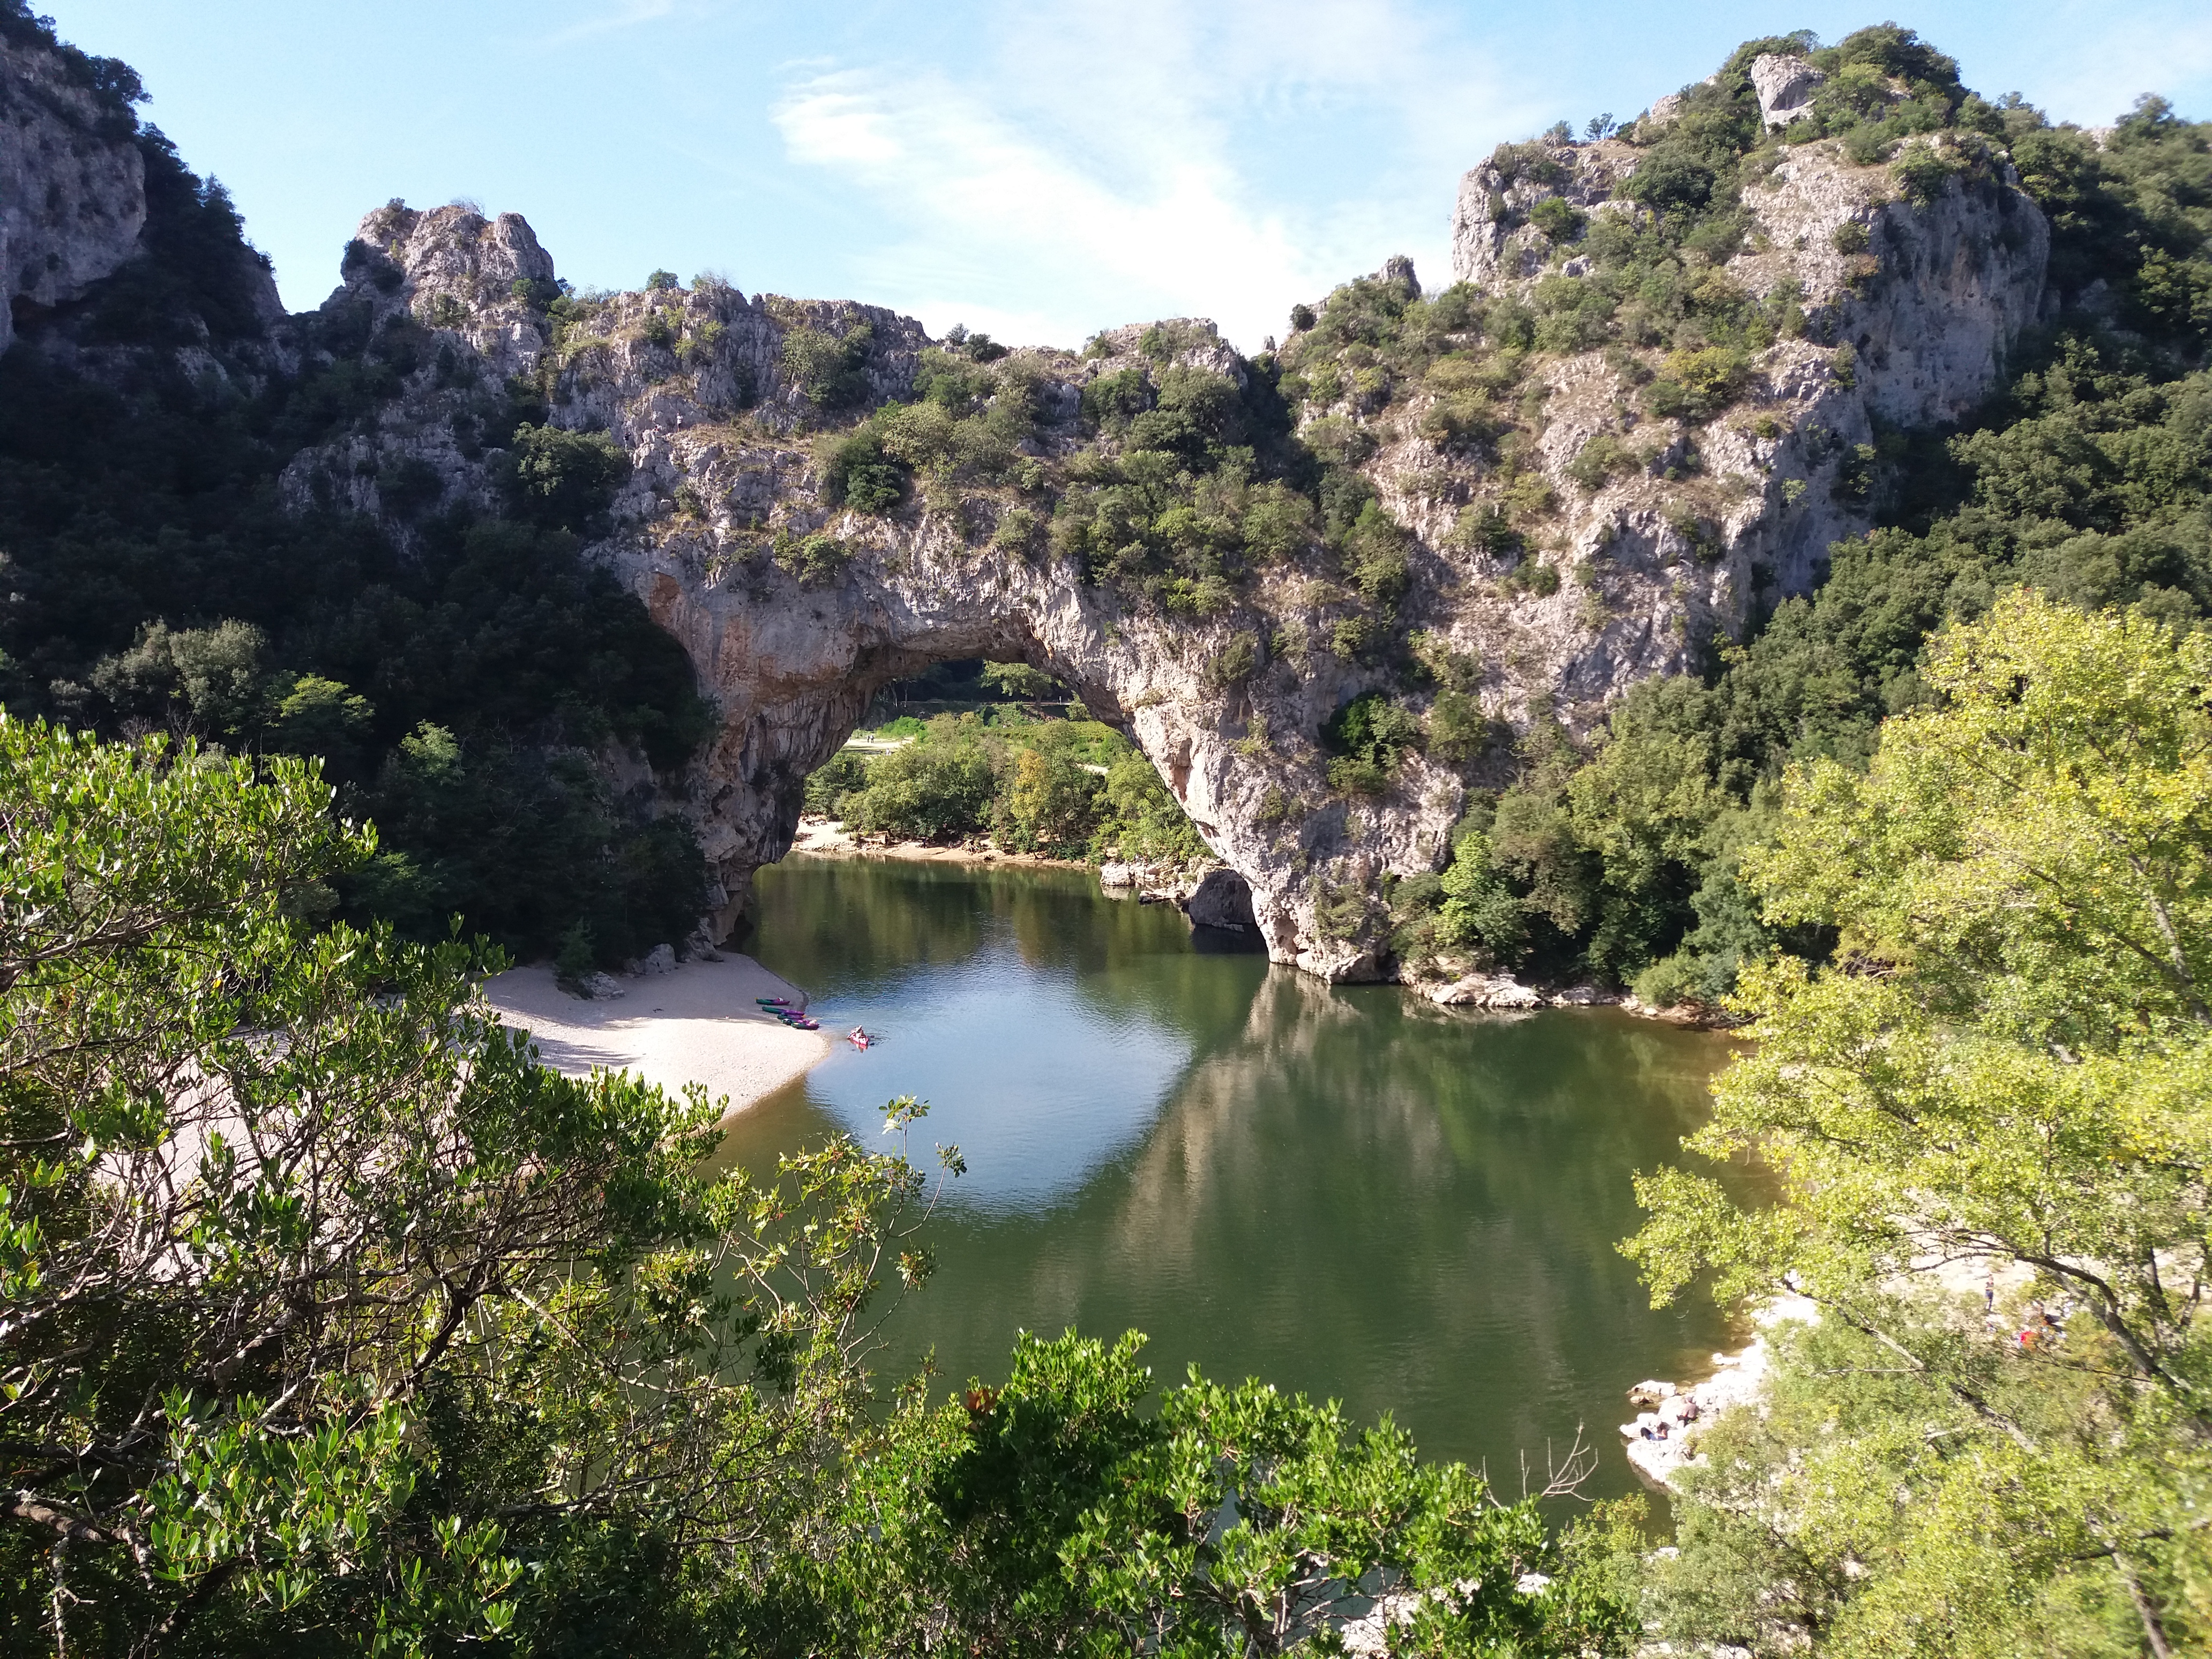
(2090, 478)
(460, 688)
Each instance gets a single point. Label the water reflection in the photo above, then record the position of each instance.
(1348, 1192)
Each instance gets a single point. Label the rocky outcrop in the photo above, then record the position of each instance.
(1485, 991)
(1785, 86)
(796, 610)
(1909, 311)
(72, 182)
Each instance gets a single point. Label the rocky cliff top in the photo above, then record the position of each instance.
(1323, 589)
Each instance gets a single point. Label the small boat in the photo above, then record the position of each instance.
(858, 1038)
(772, 1002)
(802, 1023)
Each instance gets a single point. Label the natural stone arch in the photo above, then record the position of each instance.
(795, 670)
(1232, 706)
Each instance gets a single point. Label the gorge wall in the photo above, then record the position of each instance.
(1160, 521)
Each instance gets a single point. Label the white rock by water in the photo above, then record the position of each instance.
(1485, 991)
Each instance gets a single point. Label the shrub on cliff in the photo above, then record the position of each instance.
(1369, 736)
(829, 371)
(564, 480)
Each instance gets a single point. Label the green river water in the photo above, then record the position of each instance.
(1344, 1191)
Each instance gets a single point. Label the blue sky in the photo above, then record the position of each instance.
(1039, 171)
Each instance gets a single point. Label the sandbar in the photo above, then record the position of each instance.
(697, 1024)
(829, 838)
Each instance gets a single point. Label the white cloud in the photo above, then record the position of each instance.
(608, 17)
(1109, 166)
(2103, 71)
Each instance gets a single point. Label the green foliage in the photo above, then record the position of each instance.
(1457, 730)
(153, 584)
(1050, 803)
(1070, 788)
(1187, 495)
(1601, 459)
(2010, 1064)
(1922, 171)
(1057, 1514)
(1019, 682)
(967, 422)
(1557, 219)
(565, 480)
(1369, 736)
(842, 773)
(937, 787)
(338, 1346)
(1236, 662)
(1146, 822)
(817, 560)
(525, 843)
(2086, 480)
(1480, 910)
(829, 370)
(1697, 385)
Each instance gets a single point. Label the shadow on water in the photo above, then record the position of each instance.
(1345, 1191)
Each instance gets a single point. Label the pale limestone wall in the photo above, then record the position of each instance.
(72, 197)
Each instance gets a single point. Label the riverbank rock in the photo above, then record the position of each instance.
(1117, 875)
(1581, 996)
(1485, 991)
(601, 987)
(1664, 1437)
(661, 959)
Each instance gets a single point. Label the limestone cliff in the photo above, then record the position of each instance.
(77, 205)
(1908, 310)
(1473, 497)
(72, 183)
(697, 386)
(1568, 535)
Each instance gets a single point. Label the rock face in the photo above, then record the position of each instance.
(1785, 86)
(1485, 991)
(795, 610)
(1909, 313)
(1223, 899)
(72, 182)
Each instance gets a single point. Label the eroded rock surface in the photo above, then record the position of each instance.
(1909, 313)
(72, 183)
(796, 610)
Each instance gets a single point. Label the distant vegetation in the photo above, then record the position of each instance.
(458, 690)
(1029, 785)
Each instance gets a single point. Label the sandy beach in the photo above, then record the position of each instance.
(697, 1024)
(830, 837)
